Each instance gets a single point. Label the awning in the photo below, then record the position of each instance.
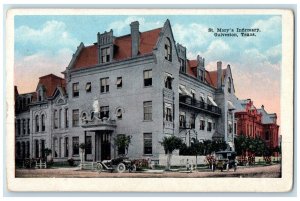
(168, 105)
(230, 106)
(184, 91)
(212, 101)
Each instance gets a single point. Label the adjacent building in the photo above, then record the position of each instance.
(141, 84)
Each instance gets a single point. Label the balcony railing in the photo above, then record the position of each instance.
(190, 102)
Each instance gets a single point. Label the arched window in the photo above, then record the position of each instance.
(229, 85)
(168, 50)
(168, 82)
(37, 126)
(43, 122)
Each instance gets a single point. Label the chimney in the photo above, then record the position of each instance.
(219, 74)
(263, 107)
(135, 38)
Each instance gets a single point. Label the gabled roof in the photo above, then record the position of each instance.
(50, 82)
(213, 77)
(89, 55)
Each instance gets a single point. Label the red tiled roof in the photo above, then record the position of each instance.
(50, 82)
(191, 65)
(212, 77)
(89, 55)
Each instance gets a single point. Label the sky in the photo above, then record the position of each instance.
(45, 44)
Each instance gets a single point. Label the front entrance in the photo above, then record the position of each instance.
(102, 145)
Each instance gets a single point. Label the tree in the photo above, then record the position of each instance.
(47, 152)
(123, 142)
(170, 144)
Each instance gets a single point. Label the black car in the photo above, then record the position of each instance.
(225, 160)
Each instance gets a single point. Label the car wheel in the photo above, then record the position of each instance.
(121, 167)
(99, 167)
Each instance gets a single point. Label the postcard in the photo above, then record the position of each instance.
(149, 100)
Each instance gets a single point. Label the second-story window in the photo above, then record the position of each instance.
(192, 121)
(148, 110)
(119, 82)
(168, 82)
(105, 55)
(28, 126)
(37, 126)
(75, 118)
(75, 89)
(147, 78)
(66, 118)
(104, 86)
(209, 126)
(104, 112)
(168, 111)
(55, 119)
(88, 87)
(168, 50)
(43, 122)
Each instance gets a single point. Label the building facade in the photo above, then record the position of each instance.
(141, 85)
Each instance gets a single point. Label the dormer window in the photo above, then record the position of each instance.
(182, 65)
(105, 55)
(40, 94)
(168, 50)
(229, 85)
(201, 75)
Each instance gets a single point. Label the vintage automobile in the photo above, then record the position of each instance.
(225, 160)
(119, 164)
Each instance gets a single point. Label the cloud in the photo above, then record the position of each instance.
(29, 68)
(123, 26)
(52, 35)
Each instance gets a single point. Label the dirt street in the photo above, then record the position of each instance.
(272, 171)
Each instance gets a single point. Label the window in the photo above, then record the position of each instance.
(88, 87)
(168, 50)
(43, 122)
(229, 85)
(119, 82)
(267, 136)
(148, 110)
(75, 89)
(201, 75)
(59, 118)
(119, 113)
(193, 94)
(24, 126)
(18, 149)
(37, 127)
(37, 149)
(192, 121)
(66, 118)
(104, 87)
(214, 126)
(202, 124)
(209, 126)
(28, 126)
(168, 112)
(235, 128)
(75, 143)
(105, 55)
(182, 65)
(104, 112)
(182, 120)
(229, 127)
(88, 147)
(168, 82)
(66, 147)
(18, 126)
(147, 78)
(92, 115)
(75, 118)
(55, 119)
(43, 148)
(147, 143)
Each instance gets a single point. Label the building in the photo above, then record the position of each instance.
(140, 84)
(253, 122)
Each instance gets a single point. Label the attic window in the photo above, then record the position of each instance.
(229, 85)
(182, 65)
(105, 55)
(201, 75)
(88, 87)
(75, 89)
(168, 50)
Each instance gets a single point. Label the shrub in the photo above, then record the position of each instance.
(71, 162)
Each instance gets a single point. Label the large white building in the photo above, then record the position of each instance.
(140, 84)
